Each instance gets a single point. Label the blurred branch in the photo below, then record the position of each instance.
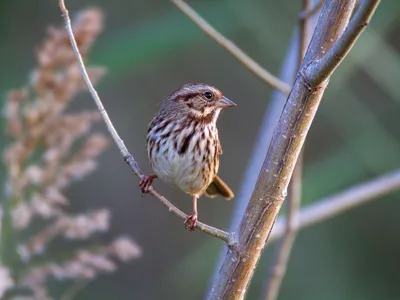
(293, 202)
(334, 205)
(304, 31)
(232, 48)
(288, 139)
(310, 11)
(129, 159)
(281, 260)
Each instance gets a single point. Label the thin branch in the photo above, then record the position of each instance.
(228, 238)
(284, 249)
(321, 69)
(232, 48)
(289, 136)
(334, 205)
(304, 32)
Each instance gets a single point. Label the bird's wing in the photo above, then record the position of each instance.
(219, 147)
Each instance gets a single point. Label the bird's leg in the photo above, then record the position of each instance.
(191, 220)
(145, 182)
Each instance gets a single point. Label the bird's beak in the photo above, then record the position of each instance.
(225, 102)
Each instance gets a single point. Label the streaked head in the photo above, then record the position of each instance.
(200, 100)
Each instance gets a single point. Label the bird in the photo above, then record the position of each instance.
(183, 146)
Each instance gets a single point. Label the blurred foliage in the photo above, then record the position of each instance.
(150, 49)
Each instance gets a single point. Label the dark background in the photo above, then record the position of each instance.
(150, 49)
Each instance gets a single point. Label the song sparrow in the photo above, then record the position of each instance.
(183, 145)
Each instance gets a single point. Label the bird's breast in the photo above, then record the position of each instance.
(186, 157)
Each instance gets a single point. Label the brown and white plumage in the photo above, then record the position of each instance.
(183, 145)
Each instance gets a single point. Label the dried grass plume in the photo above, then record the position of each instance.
(49, 149)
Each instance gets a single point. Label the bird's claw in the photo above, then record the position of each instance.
(145, 183)
(191, 221)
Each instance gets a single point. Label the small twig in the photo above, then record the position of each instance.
(334, 205)
(232, 48)
(120, 143)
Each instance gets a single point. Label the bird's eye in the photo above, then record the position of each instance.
(208, 95)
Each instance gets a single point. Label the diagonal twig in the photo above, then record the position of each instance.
(129, 159)
(334, 205)
(232, 48)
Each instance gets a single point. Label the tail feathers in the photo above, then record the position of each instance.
(219, 188)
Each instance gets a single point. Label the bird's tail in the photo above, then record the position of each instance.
(219, 188)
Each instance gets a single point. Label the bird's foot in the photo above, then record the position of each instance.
(191, 221)
(145, 183)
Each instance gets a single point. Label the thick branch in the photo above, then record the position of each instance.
(288, 139)
(232, 48)
(334, 205)
(264, 136)
(120, 143)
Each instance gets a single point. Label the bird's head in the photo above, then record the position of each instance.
(199, 100)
